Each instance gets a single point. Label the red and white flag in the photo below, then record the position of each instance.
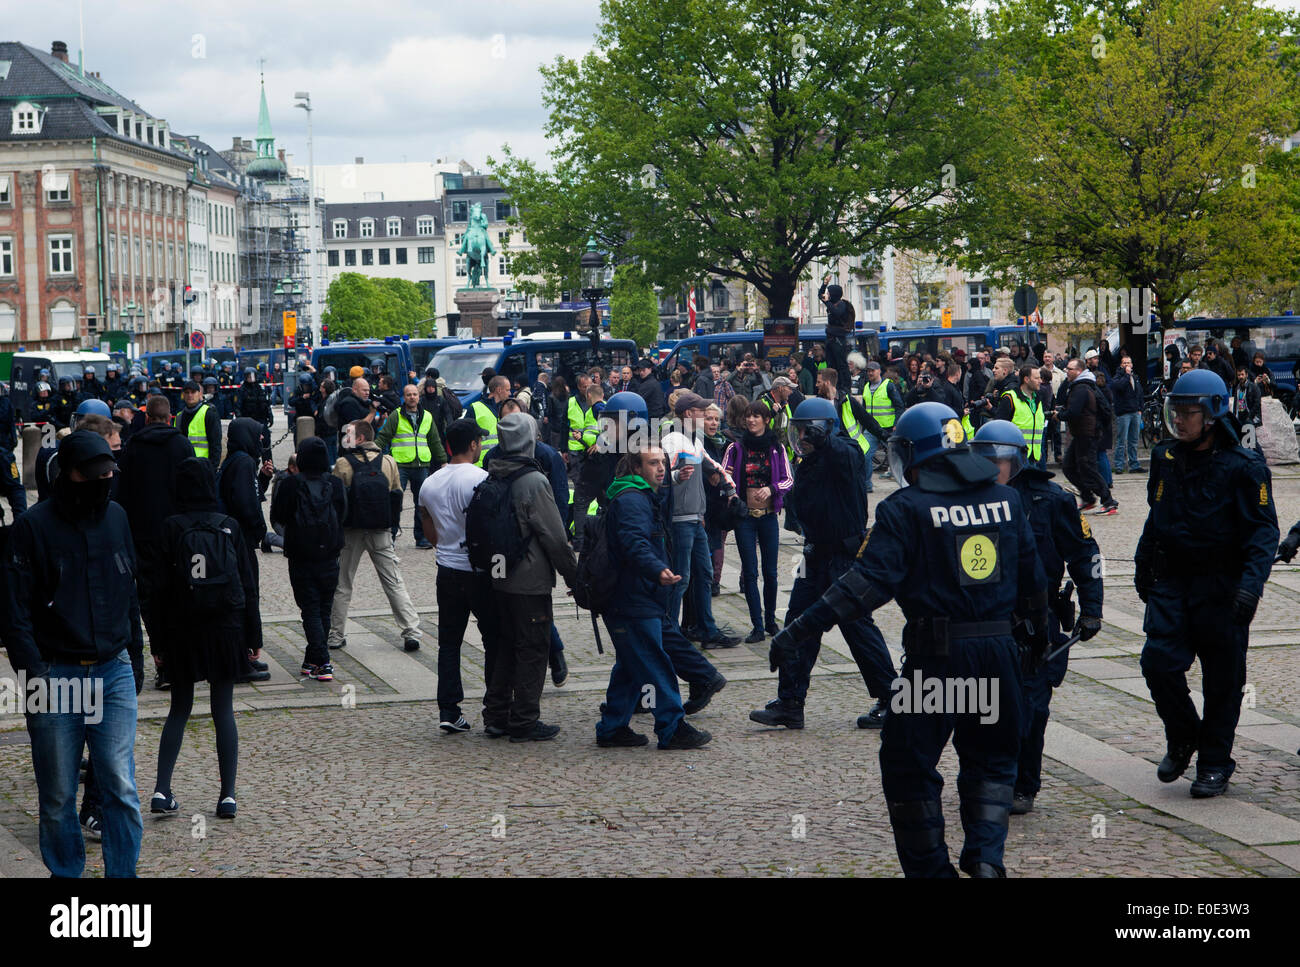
(690, 310)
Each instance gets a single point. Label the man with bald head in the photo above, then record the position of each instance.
(487, 411)
(354, 404)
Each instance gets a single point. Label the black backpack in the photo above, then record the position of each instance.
(317, 531)
(597, 579)
(208, 563)
(1105, 413)
(492, 532)
(369, 506)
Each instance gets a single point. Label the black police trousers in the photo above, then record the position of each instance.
(1037, 686)
(1189, 618)
(866, 643)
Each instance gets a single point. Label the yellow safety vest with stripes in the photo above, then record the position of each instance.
(852, 427)
(590, 428)
(577, 421)
(197, 431)
(1030, 420)
(879, 405)
(408, 443)
(484, 418)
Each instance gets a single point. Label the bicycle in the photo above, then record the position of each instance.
(1153, 418)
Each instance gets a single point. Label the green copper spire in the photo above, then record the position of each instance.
(267, 164)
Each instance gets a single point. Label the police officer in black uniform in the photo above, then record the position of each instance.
(114, 389)
(139, 394)
(1064, 539)
(950, 546)
(65, 402)
(831, 505)
(11, 484)
(41, 407)
(1201, 564)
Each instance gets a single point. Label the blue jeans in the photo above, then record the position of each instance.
(1128, 430)
(642, 673)
(693, 560)
(871, 456)
(757, 536)
(414, 474)
(1103, 467)
(58, 737)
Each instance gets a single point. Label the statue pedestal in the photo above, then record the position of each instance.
(475, 307)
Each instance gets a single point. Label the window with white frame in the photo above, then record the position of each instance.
(462, 266)
(929, 298)
(6, 194)
(27, 119)
(980, 302)
(57, 187)
(340, 227)
(60, 249)
(503, 265)
(6, 255)
(503, 210)
(148, 259)
(367, 228)
(63, 321)
(112, 253)
(8, 322)
(721, 298)
(425, 254)
(456, 240)
(135, 259)
(503, 238)
(424, 225)
(871, 303)
(393, 226)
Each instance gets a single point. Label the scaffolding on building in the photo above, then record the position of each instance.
(273, 247)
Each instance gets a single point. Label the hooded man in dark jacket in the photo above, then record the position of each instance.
(638, 611)
(839, 325)
(147, 492)
(513, 695)
(74, 625)
(647, 387)
(241, 485)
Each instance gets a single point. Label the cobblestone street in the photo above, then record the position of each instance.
(353, 777)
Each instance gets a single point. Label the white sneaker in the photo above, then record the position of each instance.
(452, 728)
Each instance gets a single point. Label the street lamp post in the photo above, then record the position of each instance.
(287, 289)
(304, 102)
(593, 285)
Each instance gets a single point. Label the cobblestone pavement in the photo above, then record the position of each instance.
(353, 777)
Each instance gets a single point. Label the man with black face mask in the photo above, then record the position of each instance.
(74, 635)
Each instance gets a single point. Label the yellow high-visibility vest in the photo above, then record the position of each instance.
(577, 421)
(853, 427)
(1031, 420)
(197, 431)
(879, 404)
(409, 444)
(484, 418)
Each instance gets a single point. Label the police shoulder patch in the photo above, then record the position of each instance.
(1085, 526)
(1263, 495)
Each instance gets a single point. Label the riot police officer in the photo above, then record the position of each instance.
(831, 505)
(139, 394)
(1064, 539)
(41, 407)
(1201, 577)
(226, 385)
(11, 484)
(91, 387)
(65, 402)
(950, 546)
(114, 389)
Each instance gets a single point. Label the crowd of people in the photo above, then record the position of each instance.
(151, 515)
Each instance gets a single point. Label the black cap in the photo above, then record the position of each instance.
(645, 364)
(123, 404)
(191, 384)
(87, 452)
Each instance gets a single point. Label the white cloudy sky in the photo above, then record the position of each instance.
(390, 80)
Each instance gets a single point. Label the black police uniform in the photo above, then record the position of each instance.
(1064, 539)
(831, 506)
(952, 545)
(61, 412)
(1211, 534)
(41, 410)
(11, 484)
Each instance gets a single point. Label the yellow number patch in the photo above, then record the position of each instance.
(1085, 526)
(1263, 495)
(979, 557)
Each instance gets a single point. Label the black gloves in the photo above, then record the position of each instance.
(1243, 606)
(1144, 579)
(1087, 627)
(785, 644)
(1287, 549)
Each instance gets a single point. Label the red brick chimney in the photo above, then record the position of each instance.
(60, 50)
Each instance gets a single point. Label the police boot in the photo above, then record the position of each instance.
(987, 871)
(1175, 762)
(874, 719)
(1021, 804)
(918, 838)
(1210, 782)
(777, 713)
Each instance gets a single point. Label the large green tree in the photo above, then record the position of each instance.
(633, 308)
(362, 307)
(747, 138)
(1135, 146)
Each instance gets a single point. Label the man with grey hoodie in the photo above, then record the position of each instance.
(512, 704)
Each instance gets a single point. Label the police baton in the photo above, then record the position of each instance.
(1068, 642)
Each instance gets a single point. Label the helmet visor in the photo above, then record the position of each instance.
(900, 456)
(810, 434)
(1186, 417)
(1001, 451)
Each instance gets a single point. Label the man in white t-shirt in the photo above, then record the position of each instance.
(461, 590)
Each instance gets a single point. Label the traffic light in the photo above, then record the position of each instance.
(190, 295)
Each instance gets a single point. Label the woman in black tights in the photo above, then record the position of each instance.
(206, 628)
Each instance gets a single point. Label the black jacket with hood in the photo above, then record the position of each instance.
(147, 484)
(313, 464)
(241, 485)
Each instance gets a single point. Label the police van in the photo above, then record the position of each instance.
(423, 351)
(392, 353)
(520, 359)
(733, 345)
(26, 369)
(969, 339)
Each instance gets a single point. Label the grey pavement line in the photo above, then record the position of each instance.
(1134, 777)
(16, 860)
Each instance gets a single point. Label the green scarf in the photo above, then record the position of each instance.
(630, 482)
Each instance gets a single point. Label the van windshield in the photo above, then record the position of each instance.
(463, 372)
(76, 371)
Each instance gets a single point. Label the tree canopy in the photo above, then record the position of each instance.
(362, 307)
